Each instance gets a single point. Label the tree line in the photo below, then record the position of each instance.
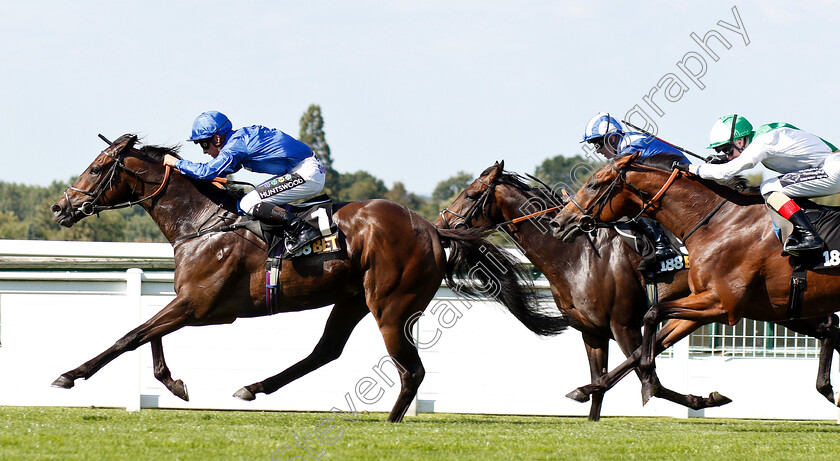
(25, 209)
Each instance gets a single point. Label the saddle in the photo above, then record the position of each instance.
(826, 221)
(318, 213)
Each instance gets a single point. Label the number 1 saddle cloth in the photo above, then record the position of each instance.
(318, 213)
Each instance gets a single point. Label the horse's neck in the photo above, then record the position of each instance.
(182, 209)
(534, 235)
(687, 203)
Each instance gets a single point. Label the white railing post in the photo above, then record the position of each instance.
(133, 296)
(681, 356)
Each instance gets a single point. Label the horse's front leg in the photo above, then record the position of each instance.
(597, 351)
(175, 315)
(629, 339)
(698, 309)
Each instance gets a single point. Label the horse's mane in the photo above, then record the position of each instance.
(156, 154)
(517, 181)
(665, 162)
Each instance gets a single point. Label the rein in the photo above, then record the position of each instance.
(479, 203)
(90, 207)
(588, 221)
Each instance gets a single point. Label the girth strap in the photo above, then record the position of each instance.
(252, 225)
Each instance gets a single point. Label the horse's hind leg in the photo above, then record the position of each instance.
(825, 329)
(163, 374)
(343, 319)
(172, 317)
(408, 364)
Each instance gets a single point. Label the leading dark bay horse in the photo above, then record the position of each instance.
(393, 261)
(736, 267)
(594, 281)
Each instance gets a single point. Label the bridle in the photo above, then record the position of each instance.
(481, 203)
(478, 204)
(589, 221)
(90, 207)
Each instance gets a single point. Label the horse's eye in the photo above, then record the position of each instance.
(592, 185)
(95, 170)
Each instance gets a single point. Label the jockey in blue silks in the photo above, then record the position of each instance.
(296, 173)
(611, 140)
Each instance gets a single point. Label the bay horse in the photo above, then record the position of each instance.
(601, 263)
(736, 267)
(392, 263)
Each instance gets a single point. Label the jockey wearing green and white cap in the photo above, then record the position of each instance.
(810, 167)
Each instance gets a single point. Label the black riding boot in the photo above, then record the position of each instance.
(298, 233)
(663, 247)
(804, 237)
(302, 232)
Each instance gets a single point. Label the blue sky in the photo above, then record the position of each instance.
(410, 91)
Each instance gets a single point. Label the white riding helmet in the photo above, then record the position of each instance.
(601, 125)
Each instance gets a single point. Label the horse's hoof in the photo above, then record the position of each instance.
(648, 391)
(718, 399)
(63, 383)
(180, 390)
(827, 393)
(578, 396)
(244, 394)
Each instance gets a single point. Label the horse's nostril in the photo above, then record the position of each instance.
(55, 208)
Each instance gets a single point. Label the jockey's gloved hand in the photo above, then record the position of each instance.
(680, 166)
(718, 157)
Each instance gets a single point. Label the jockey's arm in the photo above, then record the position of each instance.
(754, 153)
(224, 164)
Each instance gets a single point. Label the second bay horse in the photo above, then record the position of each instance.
(736, 267)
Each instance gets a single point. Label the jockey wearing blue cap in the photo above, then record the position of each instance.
(611, 140)
(296, 173)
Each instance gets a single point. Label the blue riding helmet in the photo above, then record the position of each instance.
(209, 123)
(602, 124)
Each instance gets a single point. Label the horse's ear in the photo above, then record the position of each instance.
(625, 160)
(124, 142)
(131, 142)
(498, 168)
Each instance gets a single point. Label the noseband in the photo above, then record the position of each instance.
(467, 217)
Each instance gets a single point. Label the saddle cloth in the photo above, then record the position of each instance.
(644, 247)
(317, 212)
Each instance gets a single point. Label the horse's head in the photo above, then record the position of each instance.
(113, 177)
(472, 207)
(606, 197)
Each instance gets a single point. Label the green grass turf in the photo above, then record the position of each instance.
(94, 433)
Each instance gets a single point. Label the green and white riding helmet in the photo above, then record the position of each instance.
(729, 128)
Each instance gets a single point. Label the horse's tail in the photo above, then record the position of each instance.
(479, 269)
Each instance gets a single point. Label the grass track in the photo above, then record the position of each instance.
(93, 433)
